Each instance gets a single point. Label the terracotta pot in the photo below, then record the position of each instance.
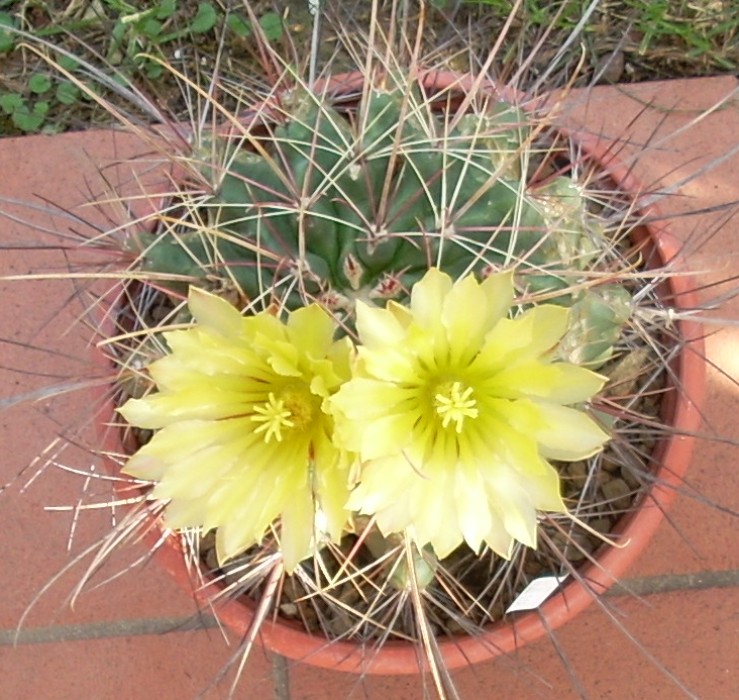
(680, 410)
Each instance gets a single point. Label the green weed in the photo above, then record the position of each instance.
(658, 39)
(682, 31)
(704, 29)
(135, 43)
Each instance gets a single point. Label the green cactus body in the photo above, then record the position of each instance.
(336, 207)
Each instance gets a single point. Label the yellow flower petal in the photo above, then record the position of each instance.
(499, 539)
(560, 382)
(181, 514)
(180, 440)
(384, 487)
(387, 435)
(378, 327)
(211, 311)
(190, 476)
(466, 314)
(366, 399)
(568, 434)
(160, 410)
(311, 329)
(146, 467)
(531, 335)
(516, 509)
(283, 357)
(331, 483)
(427, 299)
(475, 518)
(499, 290)
(296, 533)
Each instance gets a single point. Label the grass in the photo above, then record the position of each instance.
(130, 44)
(622, 41)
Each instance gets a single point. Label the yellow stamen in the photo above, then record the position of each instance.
(454, 404)
(273, 417)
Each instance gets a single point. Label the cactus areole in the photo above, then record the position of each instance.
(350, 193)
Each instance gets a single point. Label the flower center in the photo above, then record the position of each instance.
(302, 404)
(454, 404)
(294, 409)
(273, 417)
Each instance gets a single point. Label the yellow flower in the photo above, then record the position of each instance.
(454, 410)
(243, 437)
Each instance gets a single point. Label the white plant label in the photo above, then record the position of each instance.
(536, 593)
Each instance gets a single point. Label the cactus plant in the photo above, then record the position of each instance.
(352, 204)
(334, 206)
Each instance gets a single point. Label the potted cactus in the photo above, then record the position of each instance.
(391, 350)
(382, 377)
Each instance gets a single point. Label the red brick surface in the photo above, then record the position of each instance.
(693, 633)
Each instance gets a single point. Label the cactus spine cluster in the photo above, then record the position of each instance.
(335, 205)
